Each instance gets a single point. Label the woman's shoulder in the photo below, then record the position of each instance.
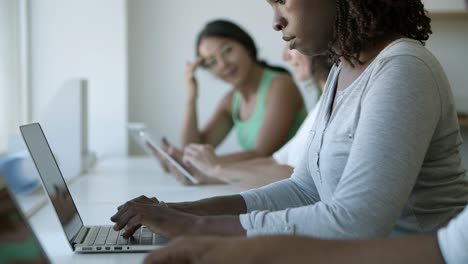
(228, 99)
(406, 49)
(407, 69)
(409, 59)
(282, 79)
(283, 87)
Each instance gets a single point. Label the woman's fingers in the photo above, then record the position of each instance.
(132, 225)
(195, 150)
(124, 207)
(163, 162)
(124, 219)
(192, 66)
(165, 143)
(179, 176)
(123, 215)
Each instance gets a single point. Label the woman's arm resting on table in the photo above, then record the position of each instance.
(299, 250)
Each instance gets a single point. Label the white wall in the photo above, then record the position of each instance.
(161, 41)
(449, 43)
(9, 71)
(83, 39)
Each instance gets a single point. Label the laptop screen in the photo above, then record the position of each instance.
(52, 179)
(18, 244)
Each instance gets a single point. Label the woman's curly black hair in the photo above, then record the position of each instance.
(359, 23)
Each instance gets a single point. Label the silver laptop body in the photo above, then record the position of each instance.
(85, 239)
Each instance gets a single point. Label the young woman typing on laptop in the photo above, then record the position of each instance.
(263, 98)
(383, 155)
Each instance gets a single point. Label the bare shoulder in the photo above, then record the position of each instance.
(283, 79)
(226, 101)
(283, 86)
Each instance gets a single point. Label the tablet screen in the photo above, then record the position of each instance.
(150, 147)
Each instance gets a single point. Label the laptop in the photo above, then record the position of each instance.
(82, 238)
(18, 244)
(143, 139)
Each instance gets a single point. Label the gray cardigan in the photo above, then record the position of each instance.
(385, 162)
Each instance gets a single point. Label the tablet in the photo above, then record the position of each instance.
(144, 140)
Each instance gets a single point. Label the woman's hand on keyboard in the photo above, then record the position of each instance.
(155, 215)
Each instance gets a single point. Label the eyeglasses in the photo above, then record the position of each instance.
(225, 53)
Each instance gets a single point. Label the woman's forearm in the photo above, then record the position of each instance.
(224, 225)
(253, 173)
(411, 250)
(240, 156)
(302, 250)
(190, 132)
(222, 205)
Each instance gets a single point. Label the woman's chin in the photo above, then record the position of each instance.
(310, 50)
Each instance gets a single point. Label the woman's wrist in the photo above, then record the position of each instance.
(218, 225)
(186, 207)
(222, 205)
(215, 170)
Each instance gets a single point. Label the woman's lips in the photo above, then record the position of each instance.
(288, 38)
(230, 73)
(292, 43)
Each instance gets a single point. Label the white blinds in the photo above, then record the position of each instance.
(13, 92)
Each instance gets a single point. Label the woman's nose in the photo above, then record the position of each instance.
(221, 64)
(279, 23)
(277, 27)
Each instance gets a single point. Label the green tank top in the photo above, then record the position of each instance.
(248, 130)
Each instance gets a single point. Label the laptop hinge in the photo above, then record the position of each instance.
(80, 237)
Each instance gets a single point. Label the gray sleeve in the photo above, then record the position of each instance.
(296, 191)
(399, 114)
(453, 240)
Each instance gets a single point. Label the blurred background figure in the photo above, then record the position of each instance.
(263, 98)
(313, 72)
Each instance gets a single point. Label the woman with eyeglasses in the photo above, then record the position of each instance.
(264, 106)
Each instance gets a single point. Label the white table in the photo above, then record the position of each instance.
(97, 195)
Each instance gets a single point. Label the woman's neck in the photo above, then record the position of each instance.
(351, 71)
(250, 86)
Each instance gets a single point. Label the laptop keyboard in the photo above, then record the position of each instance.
(106, 235)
